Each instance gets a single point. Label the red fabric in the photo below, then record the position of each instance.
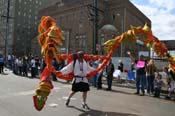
(45, 75)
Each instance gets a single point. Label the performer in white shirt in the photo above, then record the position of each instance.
(81, 68)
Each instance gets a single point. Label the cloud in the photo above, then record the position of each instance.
(162, 15)
(168, 4)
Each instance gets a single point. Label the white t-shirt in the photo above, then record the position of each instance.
(33, 63)
(80, 69)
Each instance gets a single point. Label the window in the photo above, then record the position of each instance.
(19, 13)
(36, 13)
(36, 17)
(29, 15)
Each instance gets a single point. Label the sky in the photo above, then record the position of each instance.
(162, 15)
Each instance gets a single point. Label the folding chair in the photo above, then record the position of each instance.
(131, 76)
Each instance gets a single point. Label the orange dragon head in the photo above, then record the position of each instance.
(50, 37)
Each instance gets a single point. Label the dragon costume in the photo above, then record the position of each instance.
(50, 39)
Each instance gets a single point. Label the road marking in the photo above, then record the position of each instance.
(65, 98)
(68, 86)
(53, 105)
(24, 93)
(56, 88)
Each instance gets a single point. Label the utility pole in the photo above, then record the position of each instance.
(94, 17)
(7, 22)
(95, 29)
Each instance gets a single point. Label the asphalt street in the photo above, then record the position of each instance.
(16, 100)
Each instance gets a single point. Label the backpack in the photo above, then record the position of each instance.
(75, 57)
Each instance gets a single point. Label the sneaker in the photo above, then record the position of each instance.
(85, 106)
(67, 102)
(149, 93)
(108, 89)
(142, 94)
(136, 93)
(168, 97)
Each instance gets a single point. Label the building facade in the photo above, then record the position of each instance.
(76, 19)
(6, 26)
(22, 24)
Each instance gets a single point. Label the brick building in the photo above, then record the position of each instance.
(76, 17)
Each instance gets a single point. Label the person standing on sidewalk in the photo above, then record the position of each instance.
(99, 78)
(109, 71)
(120, 66)
(1, 63)
(25, 70)
(171, 87)
(33, 67)
(140, 73)
(150, 76)
(55, 64)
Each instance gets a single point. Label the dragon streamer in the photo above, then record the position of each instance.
(147, 38)
(50, 39)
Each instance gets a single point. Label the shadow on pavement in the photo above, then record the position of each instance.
(122, 92)
(79, 109)
(117, 91)
(100, 113)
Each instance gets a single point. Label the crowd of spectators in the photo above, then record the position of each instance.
(28, 66)
(31, 66)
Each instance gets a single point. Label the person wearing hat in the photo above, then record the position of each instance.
(80, 83)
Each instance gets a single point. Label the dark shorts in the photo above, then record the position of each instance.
(81, 86)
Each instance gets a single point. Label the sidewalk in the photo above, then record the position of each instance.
(128, 84)
(116, 83)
